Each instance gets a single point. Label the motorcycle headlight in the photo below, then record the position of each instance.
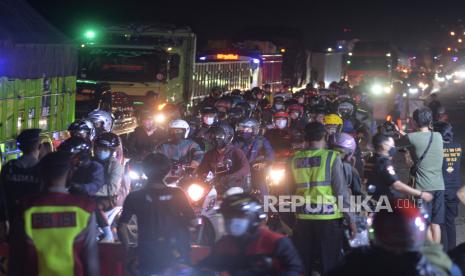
(387, 89)
(413, 90)
(134, 175)
(195, 192)
(376, 89)
(160, 118)
(276, 175)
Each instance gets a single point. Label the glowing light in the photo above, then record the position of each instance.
(227, 56)
(330, 49)
(339, 47)
(203, 58)
(460, 74)
(350, 54)
(161, 106)
(90, 34)
(387, 89)
(282, 50)
(377, 89)
(134, 175)
(195, 192)
(449, 49)
(452, 33)
(256, 60)
(459, 40)
(348, 62)
(276, 175)
(169, 49)
(413, 90)
(160, 118)
(388, 54)
(83, 45)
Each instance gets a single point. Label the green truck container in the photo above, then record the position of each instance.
(38, 67)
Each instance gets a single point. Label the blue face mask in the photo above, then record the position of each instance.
(103, 154)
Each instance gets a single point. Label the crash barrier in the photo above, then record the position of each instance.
(114, 260)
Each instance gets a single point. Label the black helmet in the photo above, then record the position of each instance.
(208, 110)
(445, 129)
(221, 134)
(76, 146)
(107, 140)
(243, 205)
(82, 128)
(246, 108)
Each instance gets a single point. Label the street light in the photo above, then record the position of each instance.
(459, 40)
(90, 34)
(330, 49)
(452, 33)
(449, 49)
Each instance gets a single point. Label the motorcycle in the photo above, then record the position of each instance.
(136, 176)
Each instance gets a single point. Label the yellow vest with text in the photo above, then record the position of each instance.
(312, 170)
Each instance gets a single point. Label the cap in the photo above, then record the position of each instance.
(31, 135)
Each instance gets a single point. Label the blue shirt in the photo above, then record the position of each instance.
(258, 146)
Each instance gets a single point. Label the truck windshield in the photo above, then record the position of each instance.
(110, 64)
(369, 63)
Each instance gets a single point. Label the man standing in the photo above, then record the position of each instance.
(55, 232)
(163, 217)
(19, 177)
(426, 150)
(318, 176)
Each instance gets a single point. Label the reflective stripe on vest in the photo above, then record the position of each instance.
(312, 174)
(53, 230)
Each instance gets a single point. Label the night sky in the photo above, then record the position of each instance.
(315, 24)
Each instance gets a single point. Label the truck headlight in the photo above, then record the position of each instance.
(377, 89)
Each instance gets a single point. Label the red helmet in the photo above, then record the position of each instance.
(402, 228)
(296, 107)
(281, 114)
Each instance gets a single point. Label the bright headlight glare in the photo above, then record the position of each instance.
(376, 89)
(460, 74)
(134, 175)
(387, 89)
(413, 90)
(195, 192)
(160, 118)
(277, 175)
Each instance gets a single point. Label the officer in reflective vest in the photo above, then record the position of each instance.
(318, 177)
(55, 232)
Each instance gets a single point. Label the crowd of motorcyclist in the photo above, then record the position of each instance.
(233, 137)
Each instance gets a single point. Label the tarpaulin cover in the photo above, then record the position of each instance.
(30, 47)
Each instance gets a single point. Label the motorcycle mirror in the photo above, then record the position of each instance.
(371, 189)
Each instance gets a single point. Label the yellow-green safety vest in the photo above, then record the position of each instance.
(53, 230)
(311, 170)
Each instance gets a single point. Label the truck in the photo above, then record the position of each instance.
(137, 60)
(327, 67)
(38, 68)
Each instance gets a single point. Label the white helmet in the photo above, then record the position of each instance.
(104, 117)
(181, 124)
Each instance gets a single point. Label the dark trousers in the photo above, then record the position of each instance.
(319, 243)
(448, 231)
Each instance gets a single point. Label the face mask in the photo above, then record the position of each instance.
(278, 106)
(301, 100)
(281, 124)
(392, 151)
(246, 135)
(103, 154)
(252, 106)
(237, 226)
(208, 120)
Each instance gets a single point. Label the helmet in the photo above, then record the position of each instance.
(107, 140)
(249, 123)
(223, 104)
(278, 116)
(208, 110)
(242, 206)
(81, 128)
(246, 108)
(101, 117)
(400, 229)
(236, 92)
(76, 146)
(180, 124)
(216, 92)
(346, 107)
(293, 108)
(445, 129)
(332, 119)
(343, 141)
(236, 114)
(223, 132)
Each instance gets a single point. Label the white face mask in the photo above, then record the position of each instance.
(237, 226)
(208, 120)
(279, 106)
(281, 124)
